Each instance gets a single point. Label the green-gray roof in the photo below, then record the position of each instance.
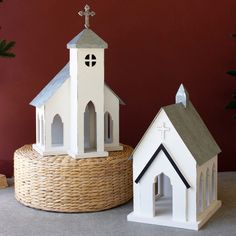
(190, 128)
(193, 131)
(87, 39)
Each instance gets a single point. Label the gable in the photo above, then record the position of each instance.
(172, 162)
(145, 134)
(114, 94)
(191, 129)
(48, 91)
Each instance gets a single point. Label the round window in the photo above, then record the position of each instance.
(90, 60)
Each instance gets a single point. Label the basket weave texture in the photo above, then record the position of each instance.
(3, 181)
(64, 184)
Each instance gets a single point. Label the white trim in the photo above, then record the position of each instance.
(88, 154)
(178, 224)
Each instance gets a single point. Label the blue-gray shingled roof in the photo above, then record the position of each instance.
(87, 39)
(48, 91)
(192, 130)
(51, 87)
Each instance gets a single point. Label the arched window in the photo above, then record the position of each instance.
(207, 188)
(38, 129)
(200, 194)
(213, 183)
(42, 130)
(90, 130)
(108, 128)
(57, 131)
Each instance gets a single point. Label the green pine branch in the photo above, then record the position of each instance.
(5, 48)
(231, 104)
(234, 35)
(231, 72)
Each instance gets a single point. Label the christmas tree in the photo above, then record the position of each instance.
(5, 47)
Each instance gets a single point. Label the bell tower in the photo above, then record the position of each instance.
(87, 91)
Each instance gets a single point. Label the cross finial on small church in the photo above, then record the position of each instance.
(163, 130)
(86, 13)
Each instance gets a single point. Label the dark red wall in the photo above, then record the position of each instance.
(153, 47)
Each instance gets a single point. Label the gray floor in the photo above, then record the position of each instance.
(16, 219)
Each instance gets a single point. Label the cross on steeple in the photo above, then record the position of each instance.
(163, 130)
(87, 13)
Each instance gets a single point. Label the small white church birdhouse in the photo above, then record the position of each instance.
(77, 113)
(175, 169)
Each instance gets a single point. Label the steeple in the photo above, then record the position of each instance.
(182, 96)
(87, 38)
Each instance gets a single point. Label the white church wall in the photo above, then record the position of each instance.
(39, 146)
(89, 82)
(179, 153)
(38, 137)
(161, 165)
(207, 185)
(112, 105)
(73, 103)
(58, 105)
(108, 128)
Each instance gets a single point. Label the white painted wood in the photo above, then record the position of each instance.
(163, 129)
(108, 128)
(166, 219)
(112, 105)
(206, 200)
(80, 102)
(178, 206)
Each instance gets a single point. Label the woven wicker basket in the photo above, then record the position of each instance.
(64, 184)
(3, 181)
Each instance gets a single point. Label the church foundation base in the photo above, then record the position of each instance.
(166, 220)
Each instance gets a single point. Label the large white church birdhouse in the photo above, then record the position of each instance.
(175, 169)
(77, 113)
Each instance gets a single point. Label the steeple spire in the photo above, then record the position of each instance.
(182, 96)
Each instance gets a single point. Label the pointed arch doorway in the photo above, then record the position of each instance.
(162, 162)
(162, 196)
(90, 128)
